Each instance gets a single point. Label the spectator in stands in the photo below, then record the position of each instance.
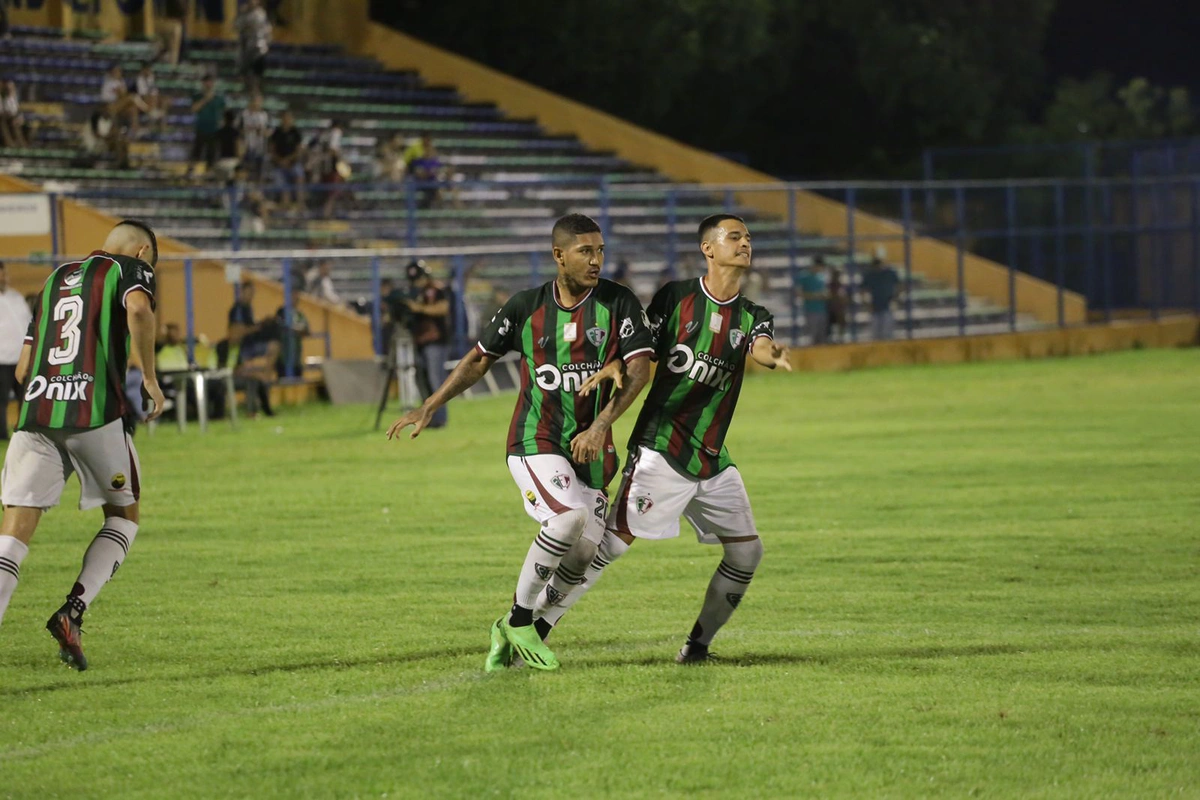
(102, 136)
(427, 169)
(291, 341)
(115, 94)
(209, 107)
(14, 320)
(389, 159)
(325, 165)
(254, 42)
(287, 159)
(169, 19)
(836, 306)
(319, 283)
(241, 313)
(229, 147)
(254, 361)
(813, 291)
(430, 323)
(148, 99)
(4, 32)
(881, 282)
(254, 123)
(12, 123)
(620, 273)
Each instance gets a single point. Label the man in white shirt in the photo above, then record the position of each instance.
(14, 324)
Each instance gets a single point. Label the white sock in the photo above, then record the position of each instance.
(611, 548)
(12, 553)
(103, 557)
(571, 572)
(557, 536)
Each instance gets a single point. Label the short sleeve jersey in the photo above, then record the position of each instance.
(80, 343)
(560, 348)
(701, 345)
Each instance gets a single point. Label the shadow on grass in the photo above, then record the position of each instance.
(816, 658)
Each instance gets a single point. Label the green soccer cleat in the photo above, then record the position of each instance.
(501, 653)
(529, 646)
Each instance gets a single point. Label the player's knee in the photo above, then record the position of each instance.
(579, 557)
(568, 526)
(612, 547)
(744, 555)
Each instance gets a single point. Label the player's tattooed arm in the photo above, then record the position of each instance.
(587, 446)
(770, 355)
(471, 367)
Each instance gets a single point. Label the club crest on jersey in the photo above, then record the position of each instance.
(73, 279)
(691, 327)
(543, 571)
(561, 481)
(626, 328)
(644, 504)
(736, 338)
(597, 336)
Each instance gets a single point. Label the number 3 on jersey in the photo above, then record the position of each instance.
(69, 311)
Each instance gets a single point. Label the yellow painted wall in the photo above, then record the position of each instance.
(83, 229)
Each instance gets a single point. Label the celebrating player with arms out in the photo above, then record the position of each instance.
(91, 315)
(560, 450)
(703, 331)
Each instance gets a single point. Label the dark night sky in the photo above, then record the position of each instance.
(1155, 39)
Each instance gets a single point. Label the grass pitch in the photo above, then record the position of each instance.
(980, 580)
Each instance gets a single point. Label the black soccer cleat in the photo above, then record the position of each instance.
(66, 632)
(695, 653)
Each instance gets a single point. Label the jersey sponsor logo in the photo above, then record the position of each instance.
(762, 327)
(626, 328)
(568, 379)
(531, 497)
(690, 328)
(702, 368)
(561, 481)
(736, 338)
(72, 280)
(59, 387)
(542, 341)
(505, 327)
(597, 336)
(644, 503)
(118, 481)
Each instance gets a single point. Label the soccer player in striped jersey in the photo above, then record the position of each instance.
(560, 450)
(704, 330)
(91, 316)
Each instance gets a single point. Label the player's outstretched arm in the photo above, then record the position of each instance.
(587, 446)
(769, 354)
(139, 313)
(470, 368)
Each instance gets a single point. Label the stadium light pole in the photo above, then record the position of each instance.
(376, 304)
(906, 212)
(960, 245)
(1010, 220)
(1060, 247)
(852, 264)
(1196, 246)
(792, 259)
(189, 300)
(1106, 208)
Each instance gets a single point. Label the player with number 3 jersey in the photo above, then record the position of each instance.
(91, 315)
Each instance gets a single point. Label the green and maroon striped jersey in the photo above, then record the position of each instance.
(560, 348)
(80, 343)
(701, 345)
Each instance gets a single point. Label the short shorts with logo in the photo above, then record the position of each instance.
(549, 487)
(654, 494)
(38, 464)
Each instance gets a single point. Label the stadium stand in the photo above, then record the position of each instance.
(507, 179)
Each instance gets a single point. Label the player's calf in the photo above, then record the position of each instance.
(724, 594)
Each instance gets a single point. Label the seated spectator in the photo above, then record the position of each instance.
(12, 123)
(115, 94)
(257, 210)
(428, 169)
(389, 159)
(286, 151)
(229, 147)
(241, 313)
(103, 137)
(148, 99)
(168, 30)
(254, 123)
(415, 150)
(171, 351)
(208, 106)
(325, 164)
(319, 283)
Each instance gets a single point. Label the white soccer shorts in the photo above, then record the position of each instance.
(653, 496)
(549, 487)
(37, 465)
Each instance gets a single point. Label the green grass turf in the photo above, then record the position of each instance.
(980, 580)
